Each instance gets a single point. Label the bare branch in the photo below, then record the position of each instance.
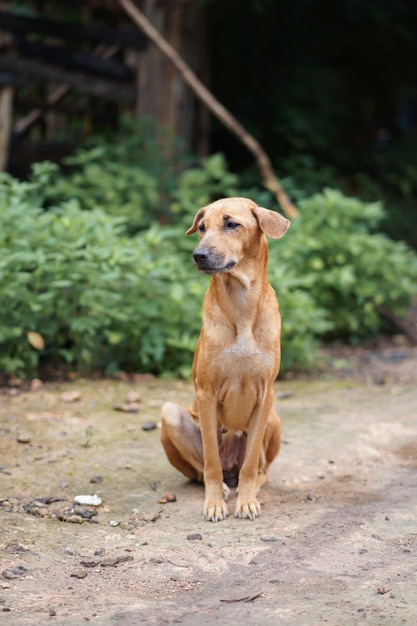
(269, 178)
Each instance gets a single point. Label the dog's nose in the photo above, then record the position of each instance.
(200, 256)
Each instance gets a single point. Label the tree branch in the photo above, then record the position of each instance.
(269, 178)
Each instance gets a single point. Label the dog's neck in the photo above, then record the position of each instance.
(245, 283)
(241, 282)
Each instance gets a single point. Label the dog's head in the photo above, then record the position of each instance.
(231, 229)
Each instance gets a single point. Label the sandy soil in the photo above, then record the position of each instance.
(336, 543)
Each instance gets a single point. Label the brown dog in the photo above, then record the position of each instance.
(231, 432)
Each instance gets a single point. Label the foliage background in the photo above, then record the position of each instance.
(89, 284)
(95, 271)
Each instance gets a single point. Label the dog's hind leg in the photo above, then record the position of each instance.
(181, 439)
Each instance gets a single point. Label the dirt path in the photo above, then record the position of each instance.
(336, 543)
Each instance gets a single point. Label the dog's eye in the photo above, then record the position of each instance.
(232, 225)
(201, 227)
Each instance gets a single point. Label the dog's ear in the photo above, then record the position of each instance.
(273, 224)
(197, 220)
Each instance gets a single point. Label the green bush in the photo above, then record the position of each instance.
(200, 185)
(349, 269)
(132, 175)
(113, 177)
(100, 300)
(104, 297)
(103, 301)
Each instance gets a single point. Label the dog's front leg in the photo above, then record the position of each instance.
(247, 505)
(215, 507)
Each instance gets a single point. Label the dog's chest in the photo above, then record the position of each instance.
(244, 370)
(245, 354)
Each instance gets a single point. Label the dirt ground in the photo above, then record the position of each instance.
(336, 543)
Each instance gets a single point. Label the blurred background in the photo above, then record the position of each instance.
(106, 148)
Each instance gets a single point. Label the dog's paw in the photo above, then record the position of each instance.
(247, 510)
(215, 511)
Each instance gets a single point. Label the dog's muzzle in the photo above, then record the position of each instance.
(211, 262)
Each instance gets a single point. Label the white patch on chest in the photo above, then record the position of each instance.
(245, 346)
